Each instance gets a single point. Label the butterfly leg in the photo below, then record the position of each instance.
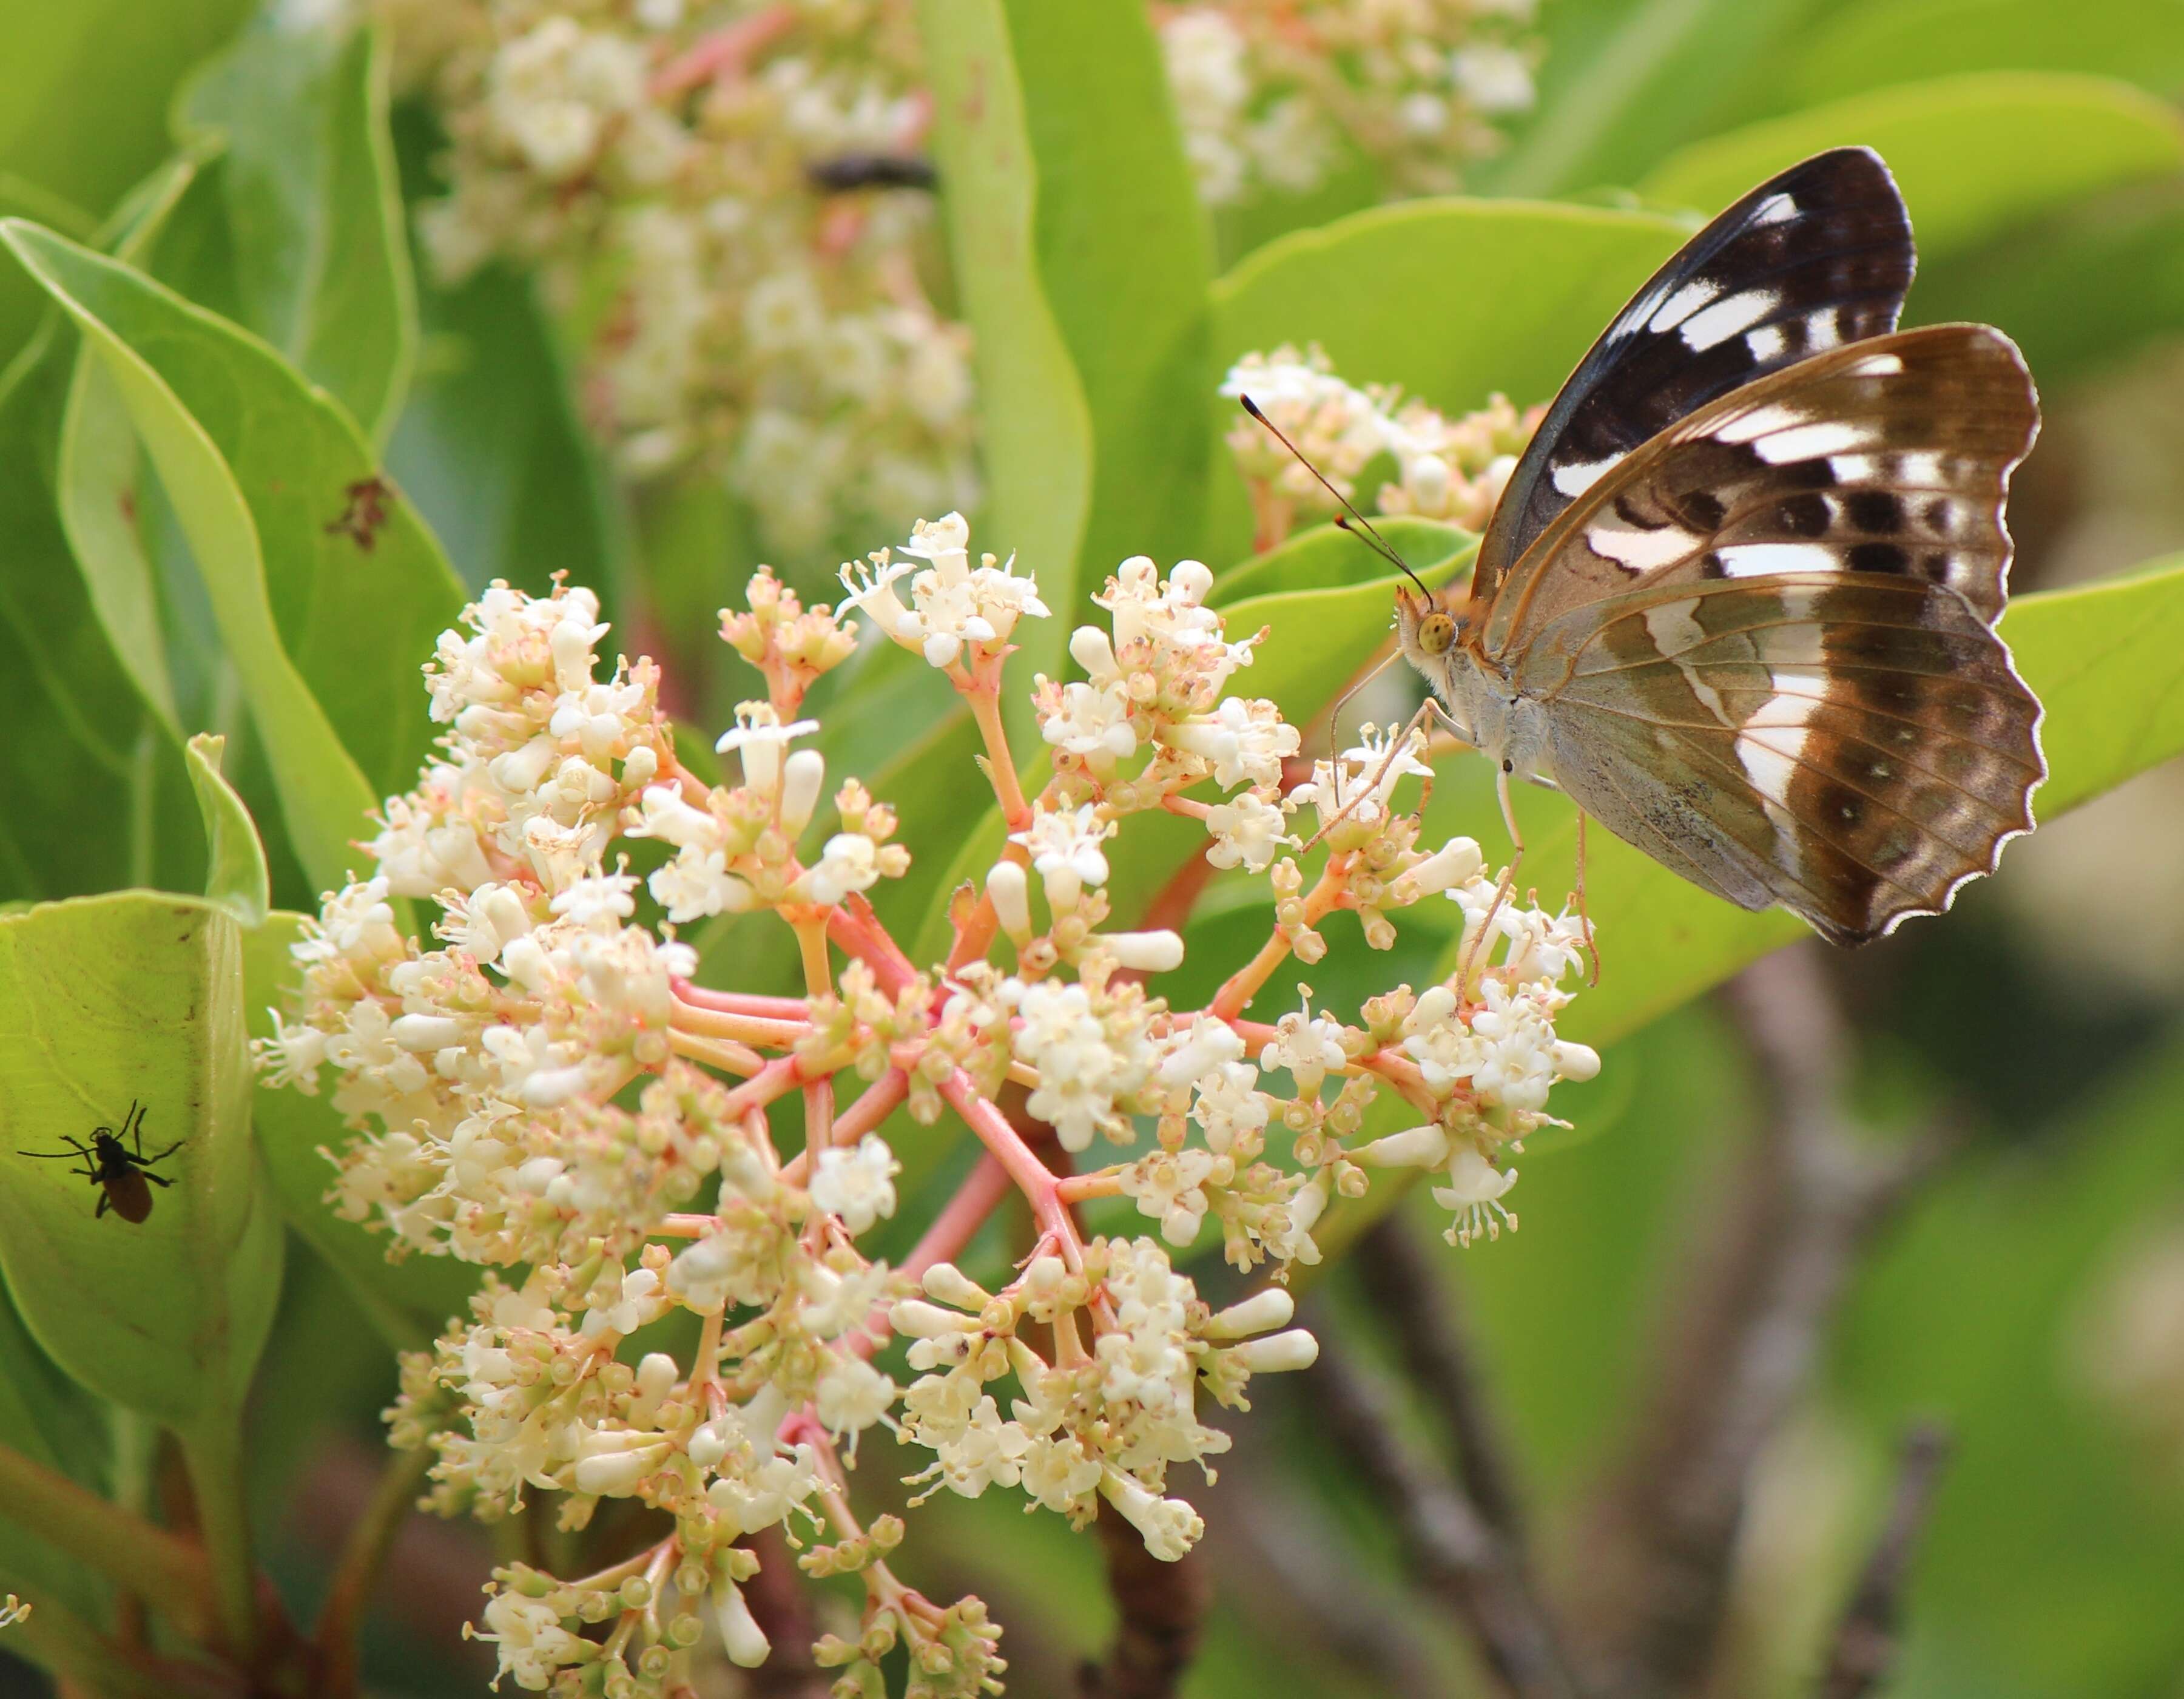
(1474, 955)
(1394, 749)
(1583, 921)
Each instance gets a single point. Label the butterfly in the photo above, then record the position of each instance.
(1737, 599)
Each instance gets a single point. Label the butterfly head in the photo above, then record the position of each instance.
(1429, 626)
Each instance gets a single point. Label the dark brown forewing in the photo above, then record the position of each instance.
(1813, 259)
(1891, 459)
(1853, 747)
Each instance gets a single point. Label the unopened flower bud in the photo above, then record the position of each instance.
(1278, 1353)
(1145, 952)
(1271, 1308)
(1009, 890)
(802, 776)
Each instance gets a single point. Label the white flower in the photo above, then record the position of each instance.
(1167, 1186)
(1093, 720)
(850, 863)
(1065, 850)
(852, 1395)
(952, 604)
(1230, 1108)
(1246, 741)
(1360, 788)
(1087, 1064)
(1205, 1043)
(1310, 1047)
(759, 738)
(1247, 831)
(527, 1636)
(856, 1183)
(1169, 1526)
(1474, 1191)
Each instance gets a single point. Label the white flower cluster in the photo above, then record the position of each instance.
(657, 161)
(1278, 97)
(547, 1091)
(1450, 469)
(1103, 1423)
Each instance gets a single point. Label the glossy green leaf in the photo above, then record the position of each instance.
(1974, 154)
(1619, 90)
(1855, 49)
(409, 1300)
(1125, 258)
(89, 768)
(235, 878)
(107, 1001)
(490, 449)
(60, 142)
(263, 472)
(314, 212)
(1453, 299)
(2079, 290)
(1033, 422)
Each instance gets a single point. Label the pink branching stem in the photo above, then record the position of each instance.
(739, 1002)
(749, 1029)
(778, 1078)
(878, 1101)
(857, 929)
(722, 56)
(819, 1130)
(1032, 1178)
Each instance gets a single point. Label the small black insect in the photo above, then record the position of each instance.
(872, 172)
(360, 521)
(109, 1164)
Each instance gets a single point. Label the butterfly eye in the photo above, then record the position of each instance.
(1436, 631)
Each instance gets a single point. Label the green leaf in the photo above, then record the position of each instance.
(1974, 154)
(1858, 48)
(260, 469)
(314, 209)
(1614, 99)
(1125, 258)
(2078, 291)
(107, 1001)
(1453, 299)
(84, 152)
(1034, 422)
(490, 449)
(90, 770)
(236, 879)
(408, 1301)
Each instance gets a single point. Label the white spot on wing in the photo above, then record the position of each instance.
(1774, 209)
(1682, 304)
(1640, 551)
(1769, 342)
(1875, 365)
(1822, 332)
(1728, 318)
(1920, 467)
(1743, 427)
(1853, 469)
(1575, 479)
(1757, 559)
(1770, 745)
(1810, 442)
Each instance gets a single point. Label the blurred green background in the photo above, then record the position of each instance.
(2031, 1296)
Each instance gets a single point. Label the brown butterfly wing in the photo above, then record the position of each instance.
(1764, 641)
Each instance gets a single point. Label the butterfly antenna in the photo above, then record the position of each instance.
(1350, 518)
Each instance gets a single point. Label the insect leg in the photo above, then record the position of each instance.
(1478, 945)
(147, 1174)
(104, 1200)
(146, 1161)
(1583, 921)
(1394, 749)
(136, 1123)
